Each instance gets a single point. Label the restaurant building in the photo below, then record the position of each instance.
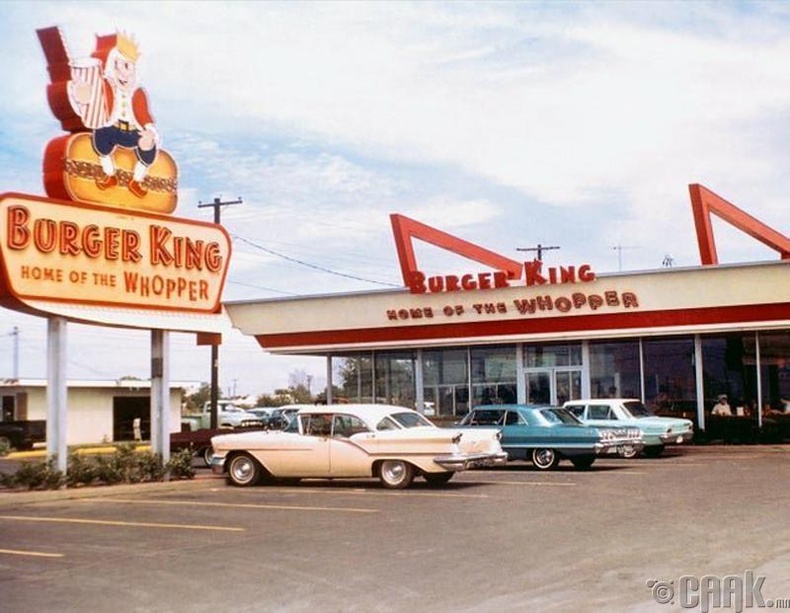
(676, 338)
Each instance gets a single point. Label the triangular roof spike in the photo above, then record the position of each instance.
(406, 229)
(704, 202)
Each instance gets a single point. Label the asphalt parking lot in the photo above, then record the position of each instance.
(513, 539)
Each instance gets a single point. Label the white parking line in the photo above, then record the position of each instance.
(231, 505)
(360, 492)
(535, 483)
(133, 524)
(37, 554)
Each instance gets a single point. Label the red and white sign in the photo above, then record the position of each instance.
(90, 254)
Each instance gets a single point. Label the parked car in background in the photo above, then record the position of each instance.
(280, 417)
(261, 413)
(228, 416)
(546, 435)
(394, 444)
(657, 431)
(21, 435)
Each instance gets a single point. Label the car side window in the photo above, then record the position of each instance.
(317, 424)
(512, 418)
(345, 426)
(599, 412)
(387, 424)
(577, 410)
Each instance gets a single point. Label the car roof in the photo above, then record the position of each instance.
(367, 411)
(511, 407)
(602, 400)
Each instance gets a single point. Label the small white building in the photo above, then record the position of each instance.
(97, 412)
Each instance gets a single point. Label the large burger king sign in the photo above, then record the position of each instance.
(104, 235)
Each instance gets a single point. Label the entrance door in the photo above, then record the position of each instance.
(553, 386)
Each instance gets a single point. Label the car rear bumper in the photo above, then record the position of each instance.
(617, 447)
(465, 462)
(676, 438)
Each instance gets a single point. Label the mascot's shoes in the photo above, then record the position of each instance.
(106, 181)
(137, 189)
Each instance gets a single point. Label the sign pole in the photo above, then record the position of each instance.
(57, 392)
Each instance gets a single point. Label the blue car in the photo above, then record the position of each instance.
(546, 435)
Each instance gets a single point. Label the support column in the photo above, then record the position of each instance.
(160, 394)
(329, 398)
(57, 392)
(699, 381)
(419, 383)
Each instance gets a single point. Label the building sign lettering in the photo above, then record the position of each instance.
(96, 255)
(577, 301)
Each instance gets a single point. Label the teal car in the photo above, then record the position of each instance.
(545, 435)
(657, 431)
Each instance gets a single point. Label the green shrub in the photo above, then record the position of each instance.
(39, 476)
(180, 465)
(126, 465)
(81, 471)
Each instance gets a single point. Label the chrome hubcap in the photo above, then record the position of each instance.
(393, 471)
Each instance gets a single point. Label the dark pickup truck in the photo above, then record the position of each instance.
(21, 435)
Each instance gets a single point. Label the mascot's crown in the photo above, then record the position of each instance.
(126, 46)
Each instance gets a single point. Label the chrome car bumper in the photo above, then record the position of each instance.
(465, 462)
(616, 447)
(676, 438)
(217, 465)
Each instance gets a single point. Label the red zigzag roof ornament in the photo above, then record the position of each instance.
(406, 229)
(704, 202)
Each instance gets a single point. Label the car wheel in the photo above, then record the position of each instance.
(545, 459)
(653, 451)
(583, 462)
(395, 474)
(629, 452)
(5, 443)
(438, 478)
(207, 454)
(243, 470)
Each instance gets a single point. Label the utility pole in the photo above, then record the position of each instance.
(217, 204)
(619, 250)
(539, 250)
(15, 334)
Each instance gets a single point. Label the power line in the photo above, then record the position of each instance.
(309, 265)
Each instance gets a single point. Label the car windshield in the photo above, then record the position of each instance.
(636, 409)
(559, 416)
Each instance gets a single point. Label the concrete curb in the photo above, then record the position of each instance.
(10, 498)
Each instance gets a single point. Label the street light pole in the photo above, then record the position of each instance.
(217, 204)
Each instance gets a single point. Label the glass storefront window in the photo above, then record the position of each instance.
(775, 372)
(614, 370)
(446, 381)
(395, 378)
(551, 356)
(353, 376)
(670, 380)
(728, 367)
(493, 375)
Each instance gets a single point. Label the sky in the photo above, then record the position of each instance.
(507, 124)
